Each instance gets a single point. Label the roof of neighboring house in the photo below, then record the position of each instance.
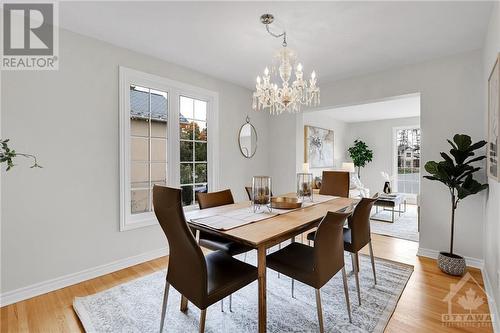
(139, 106)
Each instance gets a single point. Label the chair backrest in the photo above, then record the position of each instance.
(335, 183)
(359, 223)
(249, 192)
(187, 270)
(214, 199)
(329, 247)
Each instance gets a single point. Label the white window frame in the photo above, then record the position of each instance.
(174, 89)
(410, 196)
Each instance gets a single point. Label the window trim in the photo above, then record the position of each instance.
(395, 156)
(128, 76)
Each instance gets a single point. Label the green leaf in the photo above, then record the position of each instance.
(431, 167)
(452, 144)
(477, 145)
(463, 141)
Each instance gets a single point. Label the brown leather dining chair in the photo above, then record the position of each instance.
(248, 189)
(315, 266)
(212, 241)
(358, 235)
(335, 183)
(203, 280)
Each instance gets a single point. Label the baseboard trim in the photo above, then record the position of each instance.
(44, 287)
(491, 301)
(471, 262)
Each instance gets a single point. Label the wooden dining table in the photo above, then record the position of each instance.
(266, 233)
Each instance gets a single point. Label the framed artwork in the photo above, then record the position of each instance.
(318, 147)
(493, 146)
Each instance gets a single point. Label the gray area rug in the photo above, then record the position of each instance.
(135, 306)
(405, 227)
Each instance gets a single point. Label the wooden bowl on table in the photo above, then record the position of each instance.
(285, 203)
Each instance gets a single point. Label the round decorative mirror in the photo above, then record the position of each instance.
(248, 139)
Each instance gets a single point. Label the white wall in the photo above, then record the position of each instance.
(323, 120)
(378, 135)
(492, 225)
(64, 218)
(452, 100)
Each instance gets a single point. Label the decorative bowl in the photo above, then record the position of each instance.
(285, 203)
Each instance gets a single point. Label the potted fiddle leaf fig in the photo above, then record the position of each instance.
(456, 172)
(360, 155)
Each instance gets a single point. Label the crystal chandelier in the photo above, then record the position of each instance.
(290, 96)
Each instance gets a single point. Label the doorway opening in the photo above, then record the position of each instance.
(390, 128)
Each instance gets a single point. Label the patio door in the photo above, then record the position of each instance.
(407, 161)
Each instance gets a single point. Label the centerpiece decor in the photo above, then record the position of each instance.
(305, 186)
(261, 192)
(287, 96)
(457, 174)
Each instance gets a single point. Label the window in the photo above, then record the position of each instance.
(148, 145)
(164, 140)
(407, 159)
(193, 148)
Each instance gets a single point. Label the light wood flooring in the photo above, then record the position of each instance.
(419, 309)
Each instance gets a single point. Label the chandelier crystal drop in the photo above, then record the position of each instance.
(290, 95)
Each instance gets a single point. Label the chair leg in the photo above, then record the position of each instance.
(353, 263)
(356, 275)
(346, 293)
(320, 311)
(164, 307)
(203, 316)
(231, 303)
(184, 303)
(222, 305)
(309, 242)
(373, 262)
(279, 248)
(293, 287)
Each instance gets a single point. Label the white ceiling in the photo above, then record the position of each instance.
(339, 39)
(398, 107)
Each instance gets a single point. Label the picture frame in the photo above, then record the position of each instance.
(493, 146)
(318, 147)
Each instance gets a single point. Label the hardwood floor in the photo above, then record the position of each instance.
(419, 309)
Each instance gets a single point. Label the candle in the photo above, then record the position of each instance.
(305, 168)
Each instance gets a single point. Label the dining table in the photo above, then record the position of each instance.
(268, 230)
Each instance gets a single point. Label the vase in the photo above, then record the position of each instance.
(261, 192)
(451, 263)
(387, 188)
(305, 185)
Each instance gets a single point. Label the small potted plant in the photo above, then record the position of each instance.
(7, 155)
(360, 155)
(457, 174)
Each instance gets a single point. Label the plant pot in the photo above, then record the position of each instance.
(451, 263)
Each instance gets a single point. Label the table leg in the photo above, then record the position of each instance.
(261, 267)
(393, 214)
(399, 213)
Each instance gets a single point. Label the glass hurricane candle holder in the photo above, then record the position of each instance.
(261, 192)
(305, 186)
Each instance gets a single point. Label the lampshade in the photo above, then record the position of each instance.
(348, 166)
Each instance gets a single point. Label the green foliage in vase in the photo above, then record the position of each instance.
(7, 155)
(360, 154)
(457, 172)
